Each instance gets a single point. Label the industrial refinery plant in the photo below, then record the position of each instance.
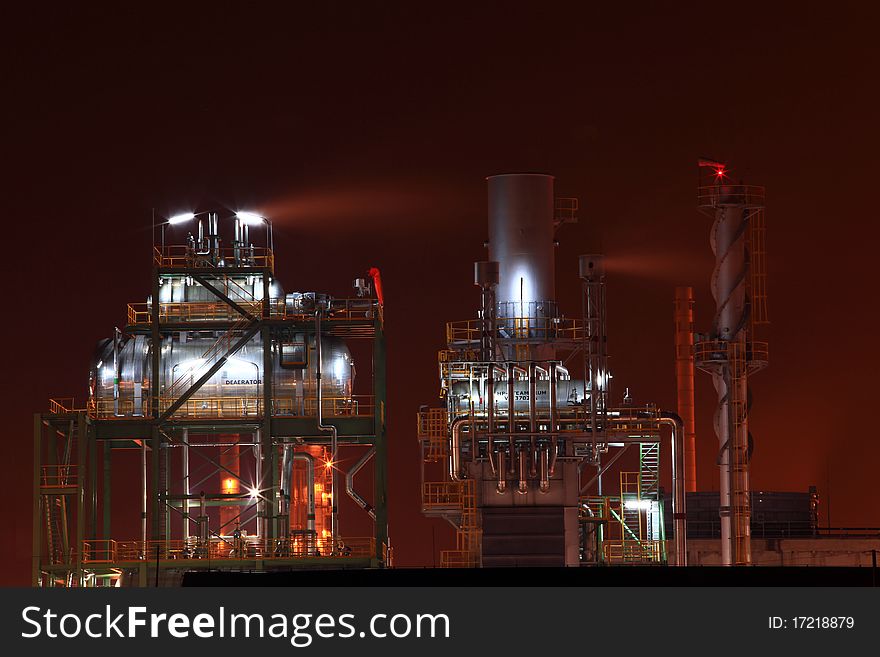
(238, 399)
(231, 410)
(536, 460)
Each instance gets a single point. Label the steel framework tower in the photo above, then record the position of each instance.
(241, 447)
(528, 418)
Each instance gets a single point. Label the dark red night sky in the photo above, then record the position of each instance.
(365, 131)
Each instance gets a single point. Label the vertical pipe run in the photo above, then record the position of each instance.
(501, 485)
(731, 427)
(684, 376)
(116, 336)
(679, 485)
(533, 420)
(262, 512)
(184, 457)
(551, 467)
(334, 447)
(230, 473)
(543, 470)
(144, 491)
(592, 273)
(511, 416)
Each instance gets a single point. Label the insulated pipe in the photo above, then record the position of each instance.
(290, 455)
(501, 486)
(523, 486)
(729, 290)
(349, 482)
(334, 447)
(236, 244)
(116, 334)
(551, 468)
(679, 497)
(203, 522)
(543, 470)
(511, 414)
(258, 458)
(184, 458)
(455, 448)
(144, 492)
(490, 414)
(533, 422)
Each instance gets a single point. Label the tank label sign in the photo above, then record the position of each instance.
(242, 382)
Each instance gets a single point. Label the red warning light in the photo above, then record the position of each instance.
(719, 172)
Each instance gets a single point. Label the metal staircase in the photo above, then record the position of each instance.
(649, 471)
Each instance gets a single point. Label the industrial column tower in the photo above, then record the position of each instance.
(729, 352)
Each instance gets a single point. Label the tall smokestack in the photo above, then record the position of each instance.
(521, 215)
(684, 377)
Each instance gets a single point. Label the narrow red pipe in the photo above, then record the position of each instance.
(377, 284)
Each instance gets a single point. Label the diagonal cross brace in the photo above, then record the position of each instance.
(242, 341)
(223, 297)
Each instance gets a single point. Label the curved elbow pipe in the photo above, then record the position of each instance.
(679, 509)
(455, 449)
(287, 477)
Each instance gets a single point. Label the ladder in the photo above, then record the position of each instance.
(649, 470)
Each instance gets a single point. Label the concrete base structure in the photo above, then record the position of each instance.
(829, 551)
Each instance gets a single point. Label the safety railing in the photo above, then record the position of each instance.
(359, 405)
(107, 408)
(466, 333)
(339, 311)
(441, 494)
(234, 407)
(181, 255)
(593, 509)
(459, 559)
(197, 311)
(708, 352)
(432, 429)
(565, 211)
(63, 405)
(100, 551)
(215, 407)
(58, 476)
(722, 195)
(227, 548)
(432, 423)
(633, 551)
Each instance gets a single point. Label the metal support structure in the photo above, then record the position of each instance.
(380, 472)
(66, 488)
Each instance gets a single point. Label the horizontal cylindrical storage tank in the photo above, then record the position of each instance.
(236, 388)
(521, 240)
(569, 394)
